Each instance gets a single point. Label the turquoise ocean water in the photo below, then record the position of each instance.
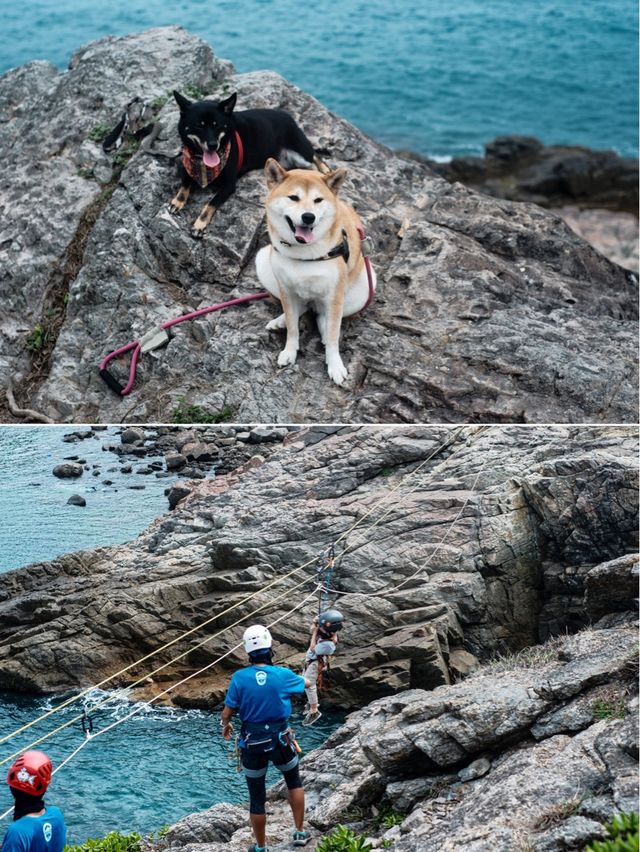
(37, 524)
(438, 78)
(163, 763)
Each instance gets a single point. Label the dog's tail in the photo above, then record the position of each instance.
(293, 160)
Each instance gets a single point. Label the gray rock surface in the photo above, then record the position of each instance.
(553, 793)
(457, 557)
(488, 311)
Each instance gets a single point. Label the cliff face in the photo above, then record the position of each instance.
(504, 537)
(488, 311)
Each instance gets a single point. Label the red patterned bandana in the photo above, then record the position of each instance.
(196, 169)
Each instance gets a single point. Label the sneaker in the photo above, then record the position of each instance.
(255, 848)
(311, 718)
(301, 838)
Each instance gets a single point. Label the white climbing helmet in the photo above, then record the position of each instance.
(256, 638)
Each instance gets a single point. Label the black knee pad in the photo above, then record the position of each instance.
(257, 794)
(292, 778)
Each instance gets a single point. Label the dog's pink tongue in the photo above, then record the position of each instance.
(211, 159)
(304, 234)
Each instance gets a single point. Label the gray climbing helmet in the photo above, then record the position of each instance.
(331, 620)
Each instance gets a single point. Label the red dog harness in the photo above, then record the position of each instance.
(204, 175)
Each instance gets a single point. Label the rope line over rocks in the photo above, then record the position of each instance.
(144, 705)
(475, 431)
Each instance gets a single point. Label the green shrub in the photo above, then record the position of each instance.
(623, 835)
(613, 709)
(342, 839)
(112, 842)
(184, 413)
(99, 132)
(388, 817)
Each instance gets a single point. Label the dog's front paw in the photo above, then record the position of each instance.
(286, 357)
(197, 233)
(174, 208)
(277, 324)
(337, 370)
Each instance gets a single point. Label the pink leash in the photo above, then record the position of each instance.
(158, 336)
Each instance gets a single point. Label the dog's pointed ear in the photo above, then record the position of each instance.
(183, 103)
(228, 105)
(274, 172)
(334, 180)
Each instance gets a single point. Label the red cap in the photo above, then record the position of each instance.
(31, 773)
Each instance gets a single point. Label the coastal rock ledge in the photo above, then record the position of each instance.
(490, 645)
(488, 310)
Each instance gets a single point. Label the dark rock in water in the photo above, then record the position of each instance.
(35, 484)
(156, 465)
(71, 458)
(136, 487)
(76, 500)
(491, 311)
(163, 474)
(95, 473)
(176, 493)
(521, 168)
(68, 470)
(174, 461)
(131, 435)
(145, 471)
(107, 481)
(127, 468)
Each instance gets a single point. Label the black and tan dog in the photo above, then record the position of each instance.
(219, 145)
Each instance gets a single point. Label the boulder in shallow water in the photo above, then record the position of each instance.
(76, 500)
(68, 470)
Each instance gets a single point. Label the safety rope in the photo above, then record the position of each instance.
(144, 705)
(448, 442)
(392, 588)
(190, 650)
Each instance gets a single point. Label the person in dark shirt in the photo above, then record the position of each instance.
(261, 695)
(36, 827)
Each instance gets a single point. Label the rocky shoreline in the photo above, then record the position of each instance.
(595, 192)
(489, 310)
(494, 679)
(165, 451)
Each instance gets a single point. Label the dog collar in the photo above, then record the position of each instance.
(341, 250)
(204, 175)
(196, 169)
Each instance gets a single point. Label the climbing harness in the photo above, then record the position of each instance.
(159, 335)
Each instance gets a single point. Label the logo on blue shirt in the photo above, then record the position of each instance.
(47, 831)
(261, 678)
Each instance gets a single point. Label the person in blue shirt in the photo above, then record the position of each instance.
(36, 827)
(261, 695)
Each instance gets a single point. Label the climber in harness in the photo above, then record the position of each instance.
(36, 827)
(261, 695)
(324, 638)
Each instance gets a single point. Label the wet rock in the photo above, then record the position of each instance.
(177, 493)
(132, 435)
(76, 500)
(175, 461)
(68, 470)
(521, 168)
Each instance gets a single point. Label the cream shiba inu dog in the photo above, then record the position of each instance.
(315, 258)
